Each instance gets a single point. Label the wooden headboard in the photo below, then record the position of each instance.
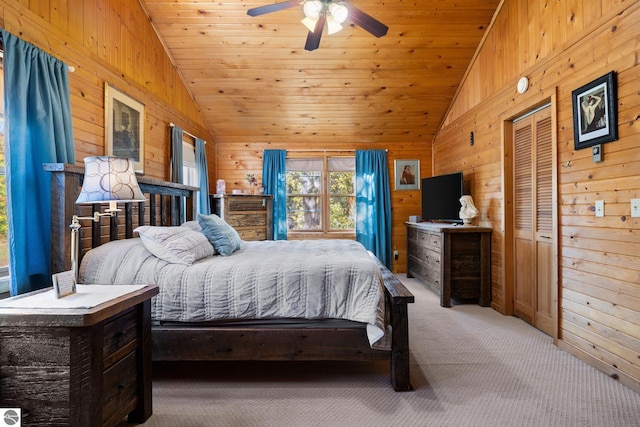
(164, 206)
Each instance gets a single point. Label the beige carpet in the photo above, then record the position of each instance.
(470, 367)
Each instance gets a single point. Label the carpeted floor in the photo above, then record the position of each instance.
(470, 367)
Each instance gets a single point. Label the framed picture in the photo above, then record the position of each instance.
(407, 173)
(124, 126)
(64, 283)
(595, 118)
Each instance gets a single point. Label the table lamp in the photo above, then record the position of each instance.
(107, 179)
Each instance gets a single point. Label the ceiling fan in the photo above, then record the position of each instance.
(319, 12)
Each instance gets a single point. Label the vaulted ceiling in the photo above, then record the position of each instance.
(255, 82)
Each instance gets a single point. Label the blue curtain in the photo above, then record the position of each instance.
(176, 155)
(274, 181)
(38, 130)
(203, 176)
(373, 203)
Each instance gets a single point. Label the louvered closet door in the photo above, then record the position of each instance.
(533, 220)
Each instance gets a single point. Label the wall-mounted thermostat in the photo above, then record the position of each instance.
(596, 151)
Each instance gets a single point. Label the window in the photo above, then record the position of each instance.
(4, 248)
(321, 195)
(189, 168)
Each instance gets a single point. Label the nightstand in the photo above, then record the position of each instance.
(81, 360)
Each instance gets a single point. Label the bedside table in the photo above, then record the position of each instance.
(81, 360)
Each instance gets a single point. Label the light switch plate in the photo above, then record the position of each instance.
(599, 208)
(635, 208)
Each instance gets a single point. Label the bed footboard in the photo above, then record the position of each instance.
(398, 297)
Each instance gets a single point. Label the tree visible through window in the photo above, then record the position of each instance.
(321, 194)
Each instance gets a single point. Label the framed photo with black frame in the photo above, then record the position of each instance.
(595, 118)
(124, 126)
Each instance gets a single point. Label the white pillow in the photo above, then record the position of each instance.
(194, 225)
(177, 245)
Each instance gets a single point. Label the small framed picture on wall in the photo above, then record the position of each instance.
(595, 119)
(407, 174)
(124, 126)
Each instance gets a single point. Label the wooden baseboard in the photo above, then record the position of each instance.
(615, 374)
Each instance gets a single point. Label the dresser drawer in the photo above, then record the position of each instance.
(247, 220)
(426, 254)
(247, 204)
(430, 240)
(119, 387)
(120, 337)
(429, 273)
(254, 234)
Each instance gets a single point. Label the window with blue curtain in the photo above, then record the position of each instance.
(189, 166)
(274, 181)
(203, 176)
(38, 130)
(4, 247)
(373, 203)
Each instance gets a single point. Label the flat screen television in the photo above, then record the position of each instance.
(441, 198)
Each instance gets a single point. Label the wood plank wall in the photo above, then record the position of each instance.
(110, 41)
(561, 45)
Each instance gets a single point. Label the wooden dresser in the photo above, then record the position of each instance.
(453, 260)
(250, 215)
(77, 366)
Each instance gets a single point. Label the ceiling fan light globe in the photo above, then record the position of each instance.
(310, 23)
(339, 12)
(312, 8)
(332, 26)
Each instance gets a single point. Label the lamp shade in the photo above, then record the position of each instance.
(312, 8)
(332, 26)
(310, 23)
(339, 12)
(109, 179)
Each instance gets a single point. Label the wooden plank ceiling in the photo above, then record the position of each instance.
(254, 82)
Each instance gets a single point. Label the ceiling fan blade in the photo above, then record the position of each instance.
(366, 21)
(313, 38)
(257, 11)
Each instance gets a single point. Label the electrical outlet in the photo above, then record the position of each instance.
(599, 208)
(395, 255)
(635, 208)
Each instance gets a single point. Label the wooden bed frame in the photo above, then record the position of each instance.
(214, 343)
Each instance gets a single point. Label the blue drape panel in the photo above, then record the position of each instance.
(373, 203)
(203, 176)
(176, 155)
(274, 181)
(38, 130)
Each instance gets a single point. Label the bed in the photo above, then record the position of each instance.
(204, 336)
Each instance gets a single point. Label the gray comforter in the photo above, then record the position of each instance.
(311, 279)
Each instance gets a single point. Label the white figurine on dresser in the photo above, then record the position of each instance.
(468, 211)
